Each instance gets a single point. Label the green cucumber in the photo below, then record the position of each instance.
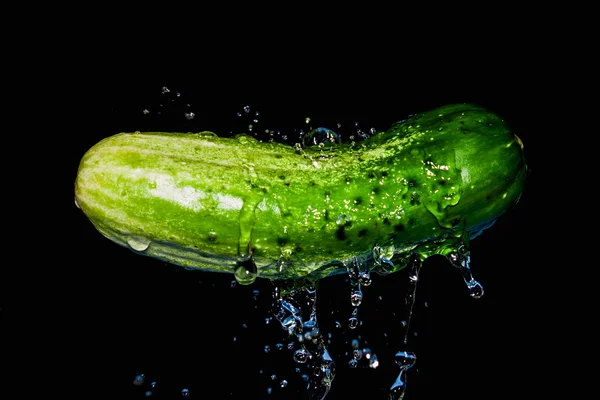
(201, 201)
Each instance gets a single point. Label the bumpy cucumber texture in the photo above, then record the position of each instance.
(290, 212)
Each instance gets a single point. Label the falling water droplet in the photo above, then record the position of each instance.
(301, 355)
(139, 379)
(356, 297)
(405, 360)
(138, 243)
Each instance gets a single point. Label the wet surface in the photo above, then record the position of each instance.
(112, 316)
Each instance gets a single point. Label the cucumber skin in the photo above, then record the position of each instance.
(203, 201)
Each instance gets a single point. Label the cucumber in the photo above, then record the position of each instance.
(425, 186)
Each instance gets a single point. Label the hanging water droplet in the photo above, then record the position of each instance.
(283, 383)
(475, 289)
(364, 278)
(461, 259)
(185, 393)
(245, 272)
(138, 243)
(76, 203)
(352, 363)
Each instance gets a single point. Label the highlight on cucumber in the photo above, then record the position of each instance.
(427, 185)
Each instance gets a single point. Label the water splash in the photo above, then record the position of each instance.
(289, 309)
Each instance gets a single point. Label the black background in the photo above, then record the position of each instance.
(103, 314)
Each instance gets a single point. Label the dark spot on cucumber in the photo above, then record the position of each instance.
(384, 174)
(282, 241)
(282, 177)
(278, 156)
(287, 183)
(386, 221)
(363, 232)
(376, 190)
(326, 216)
(340, 234)
(442, 182)
(411, 221)
(372, 175)
(312, 183)
(412, 183)
(489, 196)
(358, 201)
(398, 227)
(298, 249)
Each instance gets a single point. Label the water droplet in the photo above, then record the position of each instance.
(283, 383)
(139, 379)
(356, 297)
(357, 354)
(352, 322)
(76, 203)
(355, 343)
(267, 348)
(475, 289)
(352, 363)
(364, 278)
(145, 111)
(321, 137)
(461, 259)
(405, 359)
(189, 115)
(138, 243)
(165, 90)
(185, 393)
(245, 272)
(301, 355)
